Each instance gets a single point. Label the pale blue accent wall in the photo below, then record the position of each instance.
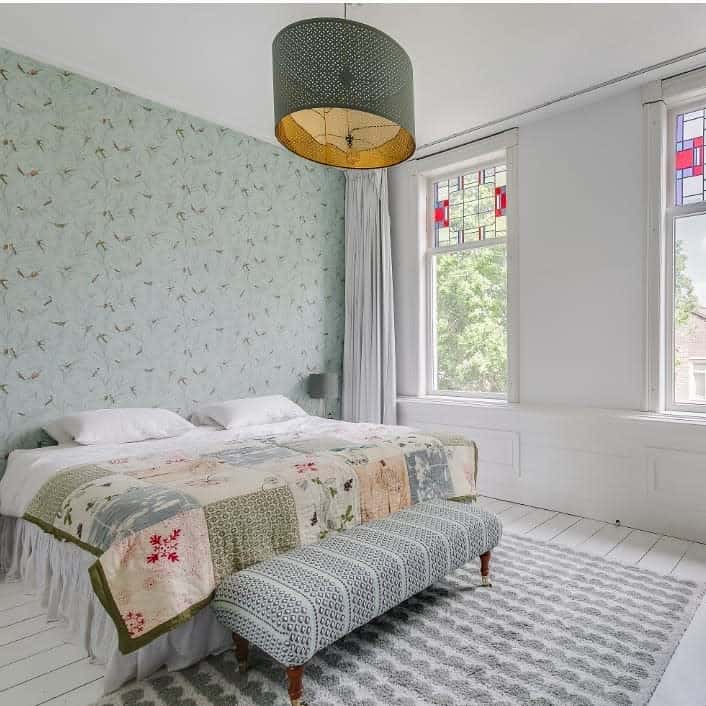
(149, 258)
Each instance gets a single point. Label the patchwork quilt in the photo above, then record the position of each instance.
(167, 529)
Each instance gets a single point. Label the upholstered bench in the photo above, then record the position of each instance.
(297, 603)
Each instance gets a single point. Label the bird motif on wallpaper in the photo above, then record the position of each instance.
(116, 208)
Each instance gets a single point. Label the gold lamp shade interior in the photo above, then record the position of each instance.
(343, 94)
(343, 137)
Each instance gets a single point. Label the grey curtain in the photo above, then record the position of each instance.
(369, 379)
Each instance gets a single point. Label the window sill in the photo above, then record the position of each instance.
(457, 400)
(670, 417)
(693, 420)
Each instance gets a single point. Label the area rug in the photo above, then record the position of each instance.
(557, 627)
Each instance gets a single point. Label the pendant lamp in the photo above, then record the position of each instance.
(343, 94)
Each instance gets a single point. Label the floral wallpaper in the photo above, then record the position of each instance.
(149, 258)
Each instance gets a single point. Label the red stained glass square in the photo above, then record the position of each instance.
(698, 171)
(698, 142)
(441, 213)
(500, 201)
(684, 159)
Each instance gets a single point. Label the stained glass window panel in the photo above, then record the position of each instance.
(470, 207)
(689, 158)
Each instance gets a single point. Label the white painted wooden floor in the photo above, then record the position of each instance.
(38, 667)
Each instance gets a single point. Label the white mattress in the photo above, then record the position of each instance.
(28, 470)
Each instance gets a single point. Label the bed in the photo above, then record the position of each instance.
(127, 543)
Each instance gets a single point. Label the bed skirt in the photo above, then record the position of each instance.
(58, 573)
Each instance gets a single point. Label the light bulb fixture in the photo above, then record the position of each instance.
(343, 94)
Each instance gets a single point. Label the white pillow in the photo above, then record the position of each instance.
(248, 411)
(57, 432)
(117, 426)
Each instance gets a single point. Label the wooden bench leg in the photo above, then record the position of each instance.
(294, 685)
(485, 568)
(242, 649)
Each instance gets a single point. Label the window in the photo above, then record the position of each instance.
(685, 262)
(468, 281)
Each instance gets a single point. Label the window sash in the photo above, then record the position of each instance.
(451, 174)
(671, 215)
(432, 350)
(481, 154)
(689, 208)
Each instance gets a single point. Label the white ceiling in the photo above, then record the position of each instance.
(472, 63)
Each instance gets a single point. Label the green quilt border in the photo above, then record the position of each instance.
(127, 643)
(61, 535)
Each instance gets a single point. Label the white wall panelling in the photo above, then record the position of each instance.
(597, 463)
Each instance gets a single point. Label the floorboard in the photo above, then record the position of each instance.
(28, 646)
(495, 505)
(665, 555)
(33, 626)
(692, 565)
(516, 512)
(683, 682)
(85, 695)
(10, 616)
(552, 527)
(635, 545)
(38, 664)
(526, 523)
(579, 532)
(604, 540)
(52, 684)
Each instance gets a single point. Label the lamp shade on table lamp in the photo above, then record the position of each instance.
(323, 386)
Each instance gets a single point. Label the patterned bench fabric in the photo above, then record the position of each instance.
(295, 604)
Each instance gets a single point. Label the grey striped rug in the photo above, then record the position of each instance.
(557, 627)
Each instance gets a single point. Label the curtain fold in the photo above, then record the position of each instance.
(369, 377)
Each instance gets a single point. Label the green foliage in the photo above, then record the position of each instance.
(471, 315)
(685, 300)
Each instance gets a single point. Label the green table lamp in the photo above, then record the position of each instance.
(323, 386)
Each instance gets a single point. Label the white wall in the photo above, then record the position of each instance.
(576, 441)
(580, 233)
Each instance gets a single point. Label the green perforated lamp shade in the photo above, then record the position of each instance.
(343, 94)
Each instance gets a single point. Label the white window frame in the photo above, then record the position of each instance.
(498, 149)
(693, 373)
(662, 101)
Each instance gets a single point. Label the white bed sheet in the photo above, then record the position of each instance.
(28, 469)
